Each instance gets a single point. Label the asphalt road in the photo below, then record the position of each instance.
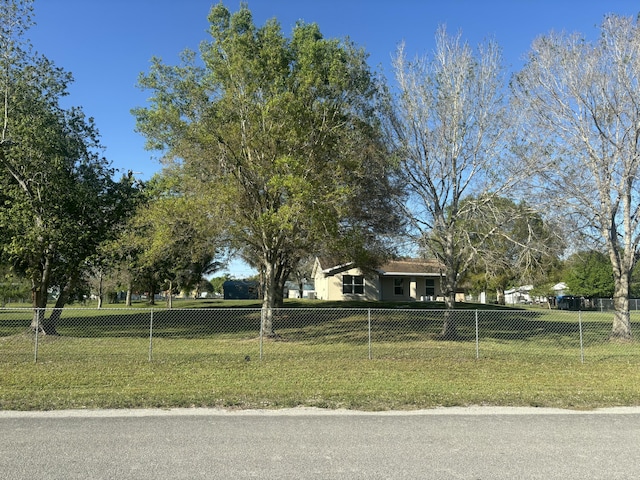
(475, 443)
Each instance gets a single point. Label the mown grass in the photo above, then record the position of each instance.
(322, 359)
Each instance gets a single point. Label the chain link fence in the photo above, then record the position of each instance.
(606, 304)
(182, 335)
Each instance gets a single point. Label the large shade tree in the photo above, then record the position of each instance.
(448, 122)
(282, 133)
(580, 131)
(59, 197)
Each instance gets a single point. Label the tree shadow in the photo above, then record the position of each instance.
(344, 325)
(191, 323)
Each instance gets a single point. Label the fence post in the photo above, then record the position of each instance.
(477, 338)
(37, 330)
(369, 333)
(581, 342)
(151, 336)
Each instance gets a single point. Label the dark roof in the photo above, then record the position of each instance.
(333, 265)
(409, 266)
(413, 266)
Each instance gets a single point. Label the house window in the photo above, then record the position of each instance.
(398, 286)
(353, 284)
(430, 291)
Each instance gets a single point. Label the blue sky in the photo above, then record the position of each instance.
(106, 44)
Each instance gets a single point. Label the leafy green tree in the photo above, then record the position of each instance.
(60, 200)
(589, 274)
(117, 257)
(217, 282)
(12, 287)
(204, 287)
(171, 241)
(281, 134)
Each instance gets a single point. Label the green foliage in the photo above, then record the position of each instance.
(13, 288)
(280, 134)
(589, 274)
(171, 240)
(216, 283)
(59, 198)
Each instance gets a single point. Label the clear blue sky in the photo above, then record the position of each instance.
(107, 43)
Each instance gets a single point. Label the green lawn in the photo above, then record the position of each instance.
(323, 358)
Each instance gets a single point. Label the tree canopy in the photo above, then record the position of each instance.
(511, 243)
(173, 240)
(579, 140)
(282, 133)
(59, 196)
(589, 274)
(447, 123)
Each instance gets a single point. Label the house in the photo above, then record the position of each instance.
(397, 280)
(559, 289)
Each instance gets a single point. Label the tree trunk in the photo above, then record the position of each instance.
(622, 269)
(170, 296)
(449, 331)
(500, 300)
(50, 324)
(621, 329)
(282, 272)
(152, 295)
(100, 292)
(37, 321)
(268, 301)
(128, 300)
(39, 296)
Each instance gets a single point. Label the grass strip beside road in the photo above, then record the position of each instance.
(217, 374)
(101, 360)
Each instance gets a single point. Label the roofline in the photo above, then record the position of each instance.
(337, 267)
(409, 274)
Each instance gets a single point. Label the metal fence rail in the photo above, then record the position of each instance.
(144, 334)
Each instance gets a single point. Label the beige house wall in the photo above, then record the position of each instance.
(329, 287)
(414, 288)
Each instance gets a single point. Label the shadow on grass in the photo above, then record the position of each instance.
(192, 323)
(404, 325)
(344, 325)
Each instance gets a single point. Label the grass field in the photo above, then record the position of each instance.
(323, 359)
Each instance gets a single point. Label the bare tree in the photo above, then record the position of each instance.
(449, 123)
(580, 136)
(512, 244)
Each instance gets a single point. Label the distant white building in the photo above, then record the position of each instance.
(522, 294)
(559, 289)
(518, 295)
